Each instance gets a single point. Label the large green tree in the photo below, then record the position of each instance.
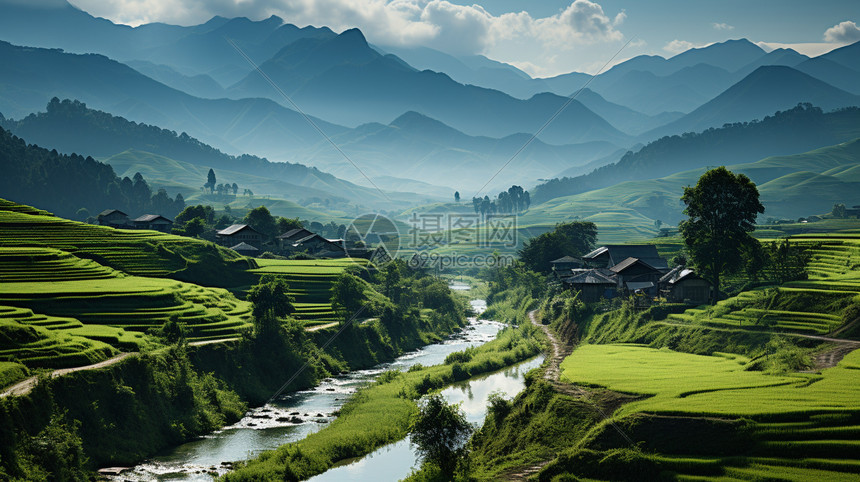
(262, 220)
(347, 295)
(439, 432)
(272, 302)
(567, 239)
(722, 209)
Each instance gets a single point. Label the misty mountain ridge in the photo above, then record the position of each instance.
(351, 83)
(799, 129)
(767, 89)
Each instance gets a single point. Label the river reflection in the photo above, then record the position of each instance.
(294, 416)
(395, 461)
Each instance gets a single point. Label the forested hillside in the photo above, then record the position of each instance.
(800, 129)
(72, 185)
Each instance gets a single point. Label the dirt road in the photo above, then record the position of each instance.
(25, 386)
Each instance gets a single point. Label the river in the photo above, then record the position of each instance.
(296, 415)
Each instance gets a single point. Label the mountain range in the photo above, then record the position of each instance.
(408, 118)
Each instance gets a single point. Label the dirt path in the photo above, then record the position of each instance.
(211, 342)
(24, 387)
(322, 327)
(552, 374)
(827, 359)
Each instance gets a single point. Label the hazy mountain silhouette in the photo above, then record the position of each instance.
(344, 80)
(847, 56)
(249, 125)
(799, 129)
(193, 50)
(418, 147)
(762, 92)
(833, 73)
(71, 127)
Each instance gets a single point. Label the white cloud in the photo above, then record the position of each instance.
(434, 23)
(677, 46)
(846, 32)
(723, 26)
(440, 24)
(813, 49)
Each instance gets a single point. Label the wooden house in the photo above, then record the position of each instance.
(239, 233)
(635, 274)
(564, 264)
(246, 249)
(155, 222)
(593, 284)
(683, 285)
(114, 218)
(613, 254)
(287, 239)
(318, 246)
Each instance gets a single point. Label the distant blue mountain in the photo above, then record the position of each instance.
(31, 77)
(344, 80)
(764, 91)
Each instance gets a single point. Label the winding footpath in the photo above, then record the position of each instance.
(26, 386)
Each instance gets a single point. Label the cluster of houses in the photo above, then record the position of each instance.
(246, 240)
(120, 220)
(619, 270)
(241, 238)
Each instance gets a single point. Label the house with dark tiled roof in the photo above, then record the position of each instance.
(612, 254)
(292, 236)
(317, 245)
(114, 218)
(593, 284)
(683, 285)
(565, 264)
(245, 249)
(156, 222)
(635, 274)
(239, 233)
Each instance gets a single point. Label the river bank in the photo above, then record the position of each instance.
(294, 416)
(380, 414)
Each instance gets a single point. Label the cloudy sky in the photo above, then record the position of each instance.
(545, 37)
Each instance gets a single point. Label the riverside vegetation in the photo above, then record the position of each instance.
(743, 390)
(185, 378)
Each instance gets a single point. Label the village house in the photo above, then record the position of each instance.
(246, 249)
(563, 265)
(114, 218)
(286, 240)
(614, 269)
(155, 222)
(316, 245)
(612, 254)
(635, 274)
(593, 284)
(683, 285)
(239, 233)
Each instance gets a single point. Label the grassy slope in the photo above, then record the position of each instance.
(381, 414)
(790, 186)
(798, 425)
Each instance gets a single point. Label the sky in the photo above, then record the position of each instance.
(544, 37)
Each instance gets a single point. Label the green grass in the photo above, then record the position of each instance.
(381, 413)
(38, 347)
(136, 252)
(11, 372)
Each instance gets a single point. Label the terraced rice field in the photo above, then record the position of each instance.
(804, 426)
(834, 277)
(39, 341)
(310, 284)
(136, 252)
(61, 285)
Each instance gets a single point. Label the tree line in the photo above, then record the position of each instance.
(514, 200)
(74, 186)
